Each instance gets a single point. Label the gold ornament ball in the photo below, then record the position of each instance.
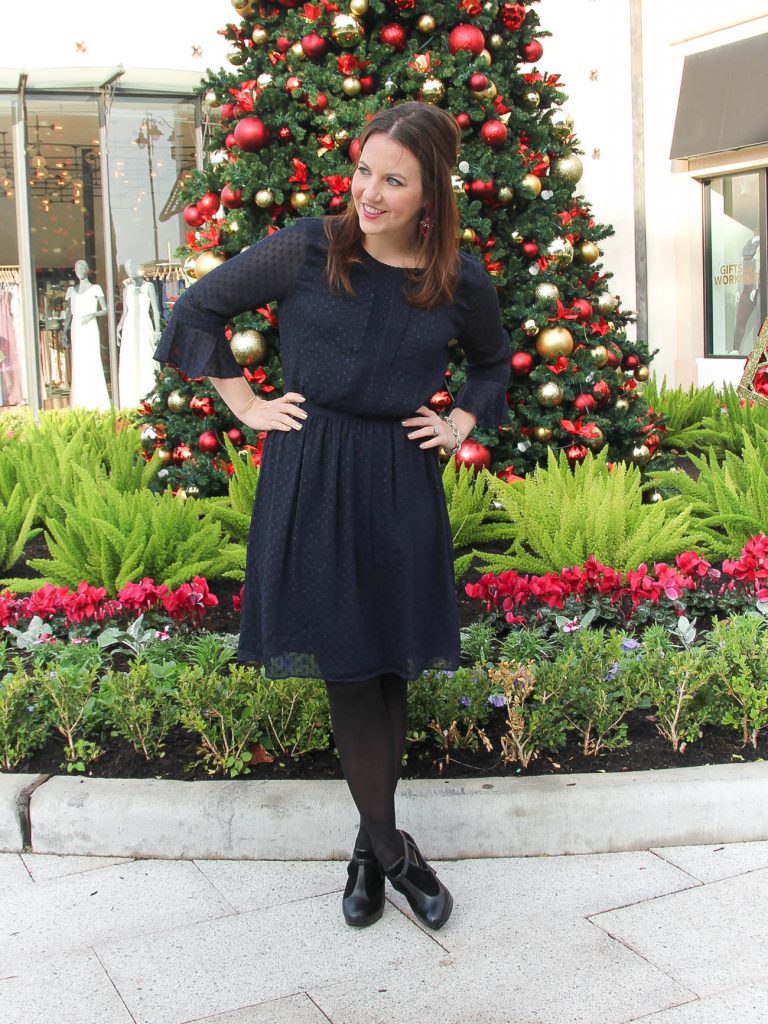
(351, 86)
(621, 405)
(553, 342)
(484, 58)
(607, 303)
(562, 124)
(530, 186)
(211, 98)
(505, 195)
(164, 456)
(433, 90)
(346, 30)
(177, 403)
(249, 347)
(588, 253)
(496, 41)
(546, 293)
(341, 136)
(245, 8)
(264, 198)
(468, 235)
(299, 200)
(549, 394)
(516, 238)
(236, 55)
(542, 434)
(567, 168)
(188, 269)
(560, 252)
(259, 35)
(531, 100)
(443, 455)
(358, 8)
(639, 455)
(426, 23)
(297, 50)
(531, 327)
(265, 81)
(487, 94)
(599, 355)
(642, 373)
(206, 262)
(595, 443)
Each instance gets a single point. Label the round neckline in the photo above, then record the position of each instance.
(381, 263)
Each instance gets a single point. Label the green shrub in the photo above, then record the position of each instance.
(684, 413)
(23, 723)
(296, 716)
(734, 422)
(112, 538)
(68, 685)
(234, 511)
(534, 716)
(451, 707)
(561, 516)
(728, 501)
(738, 656)
(16, 518)
(474, 515)
(139, 705)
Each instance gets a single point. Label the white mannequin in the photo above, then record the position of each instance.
(86, 303)
(137, 334)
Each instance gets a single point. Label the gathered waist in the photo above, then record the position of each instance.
(343, 414)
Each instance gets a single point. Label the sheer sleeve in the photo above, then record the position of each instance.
(194, 340)
(487, 347)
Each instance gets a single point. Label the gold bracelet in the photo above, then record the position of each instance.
(456, 435)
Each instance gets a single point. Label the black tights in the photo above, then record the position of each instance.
(368, 718)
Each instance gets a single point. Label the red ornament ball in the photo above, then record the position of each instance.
(483, 190)
(522, 363)
(235, 436)
(630, 362)
(614, 355)
(508, 475)
(532, 51)
(182, 452)
(284, 134)
(464, 121)
(466, 37)
(367, 84)
(585, 403)
(478, 82)
(354, 150)
(582, 309)
(602, 392)
(283, 43)
(251, 134)
(201, 407)
(394, 35)
(494, 133)
(192, 216)
(320, 104)
(472, 453)
(230, 141)
(228, 111)
(208, 204)
(313, 45)
(441, 401)
(232, 198)
(530, 250)
(575, 453)
(208, 442)
(292, 83)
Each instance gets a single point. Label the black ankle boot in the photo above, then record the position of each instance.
(416, 880)
(363, 900)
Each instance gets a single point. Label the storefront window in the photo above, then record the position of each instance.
(67, 231)
(13, 378)
(735, 242)
(151, 154)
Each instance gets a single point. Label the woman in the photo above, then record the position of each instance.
(349, 575)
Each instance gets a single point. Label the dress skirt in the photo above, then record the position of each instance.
(349, 571)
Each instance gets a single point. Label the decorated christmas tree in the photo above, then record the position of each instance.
(282, 135)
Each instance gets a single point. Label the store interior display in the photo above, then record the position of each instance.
(87, 304)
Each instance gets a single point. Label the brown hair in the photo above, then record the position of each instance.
(433, 136)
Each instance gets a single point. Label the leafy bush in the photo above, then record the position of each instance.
(68, 685)
(234, 511)
(23, 723)
(534, 719)
(139, 705)
(728, 501)
(452, 707)
(734, 422)
(474, 515)
(738, 656)
(112, 538)
(296, 716)
(561, 516)
(684, 413)
(16, 518)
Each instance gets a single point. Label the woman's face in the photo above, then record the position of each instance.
(386, 190)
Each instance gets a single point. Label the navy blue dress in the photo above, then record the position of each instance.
(349, 571)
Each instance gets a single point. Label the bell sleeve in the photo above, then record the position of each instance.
(194, 340)
(487, 347)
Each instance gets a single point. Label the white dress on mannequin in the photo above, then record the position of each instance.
(89, 385)
(136, 375)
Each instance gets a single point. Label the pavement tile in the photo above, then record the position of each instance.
(489, 894)
(709, 863)
(252, 885)
(67, 989)
(298, 1009)
(70, 913)
(12, 872)
(749, 1004)
(210, 968)
(45, 866)
(562, 972)
(709, 938)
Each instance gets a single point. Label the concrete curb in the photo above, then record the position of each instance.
(296, 820)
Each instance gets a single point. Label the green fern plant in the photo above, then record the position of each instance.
(734, 422)
(474, 514)
(684, 413)
(16, 518)
(110, 538)
(560, 516)
(728, 501)
(234, 510)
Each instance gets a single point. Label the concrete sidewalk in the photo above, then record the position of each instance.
(673, 935)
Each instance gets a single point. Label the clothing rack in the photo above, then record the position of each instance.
(9, 274)
(162, 271)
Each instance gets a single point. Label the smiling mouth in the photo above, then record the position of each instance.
(371, 210)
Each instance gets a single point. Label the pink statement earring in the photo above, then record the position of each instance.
(425, 223)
